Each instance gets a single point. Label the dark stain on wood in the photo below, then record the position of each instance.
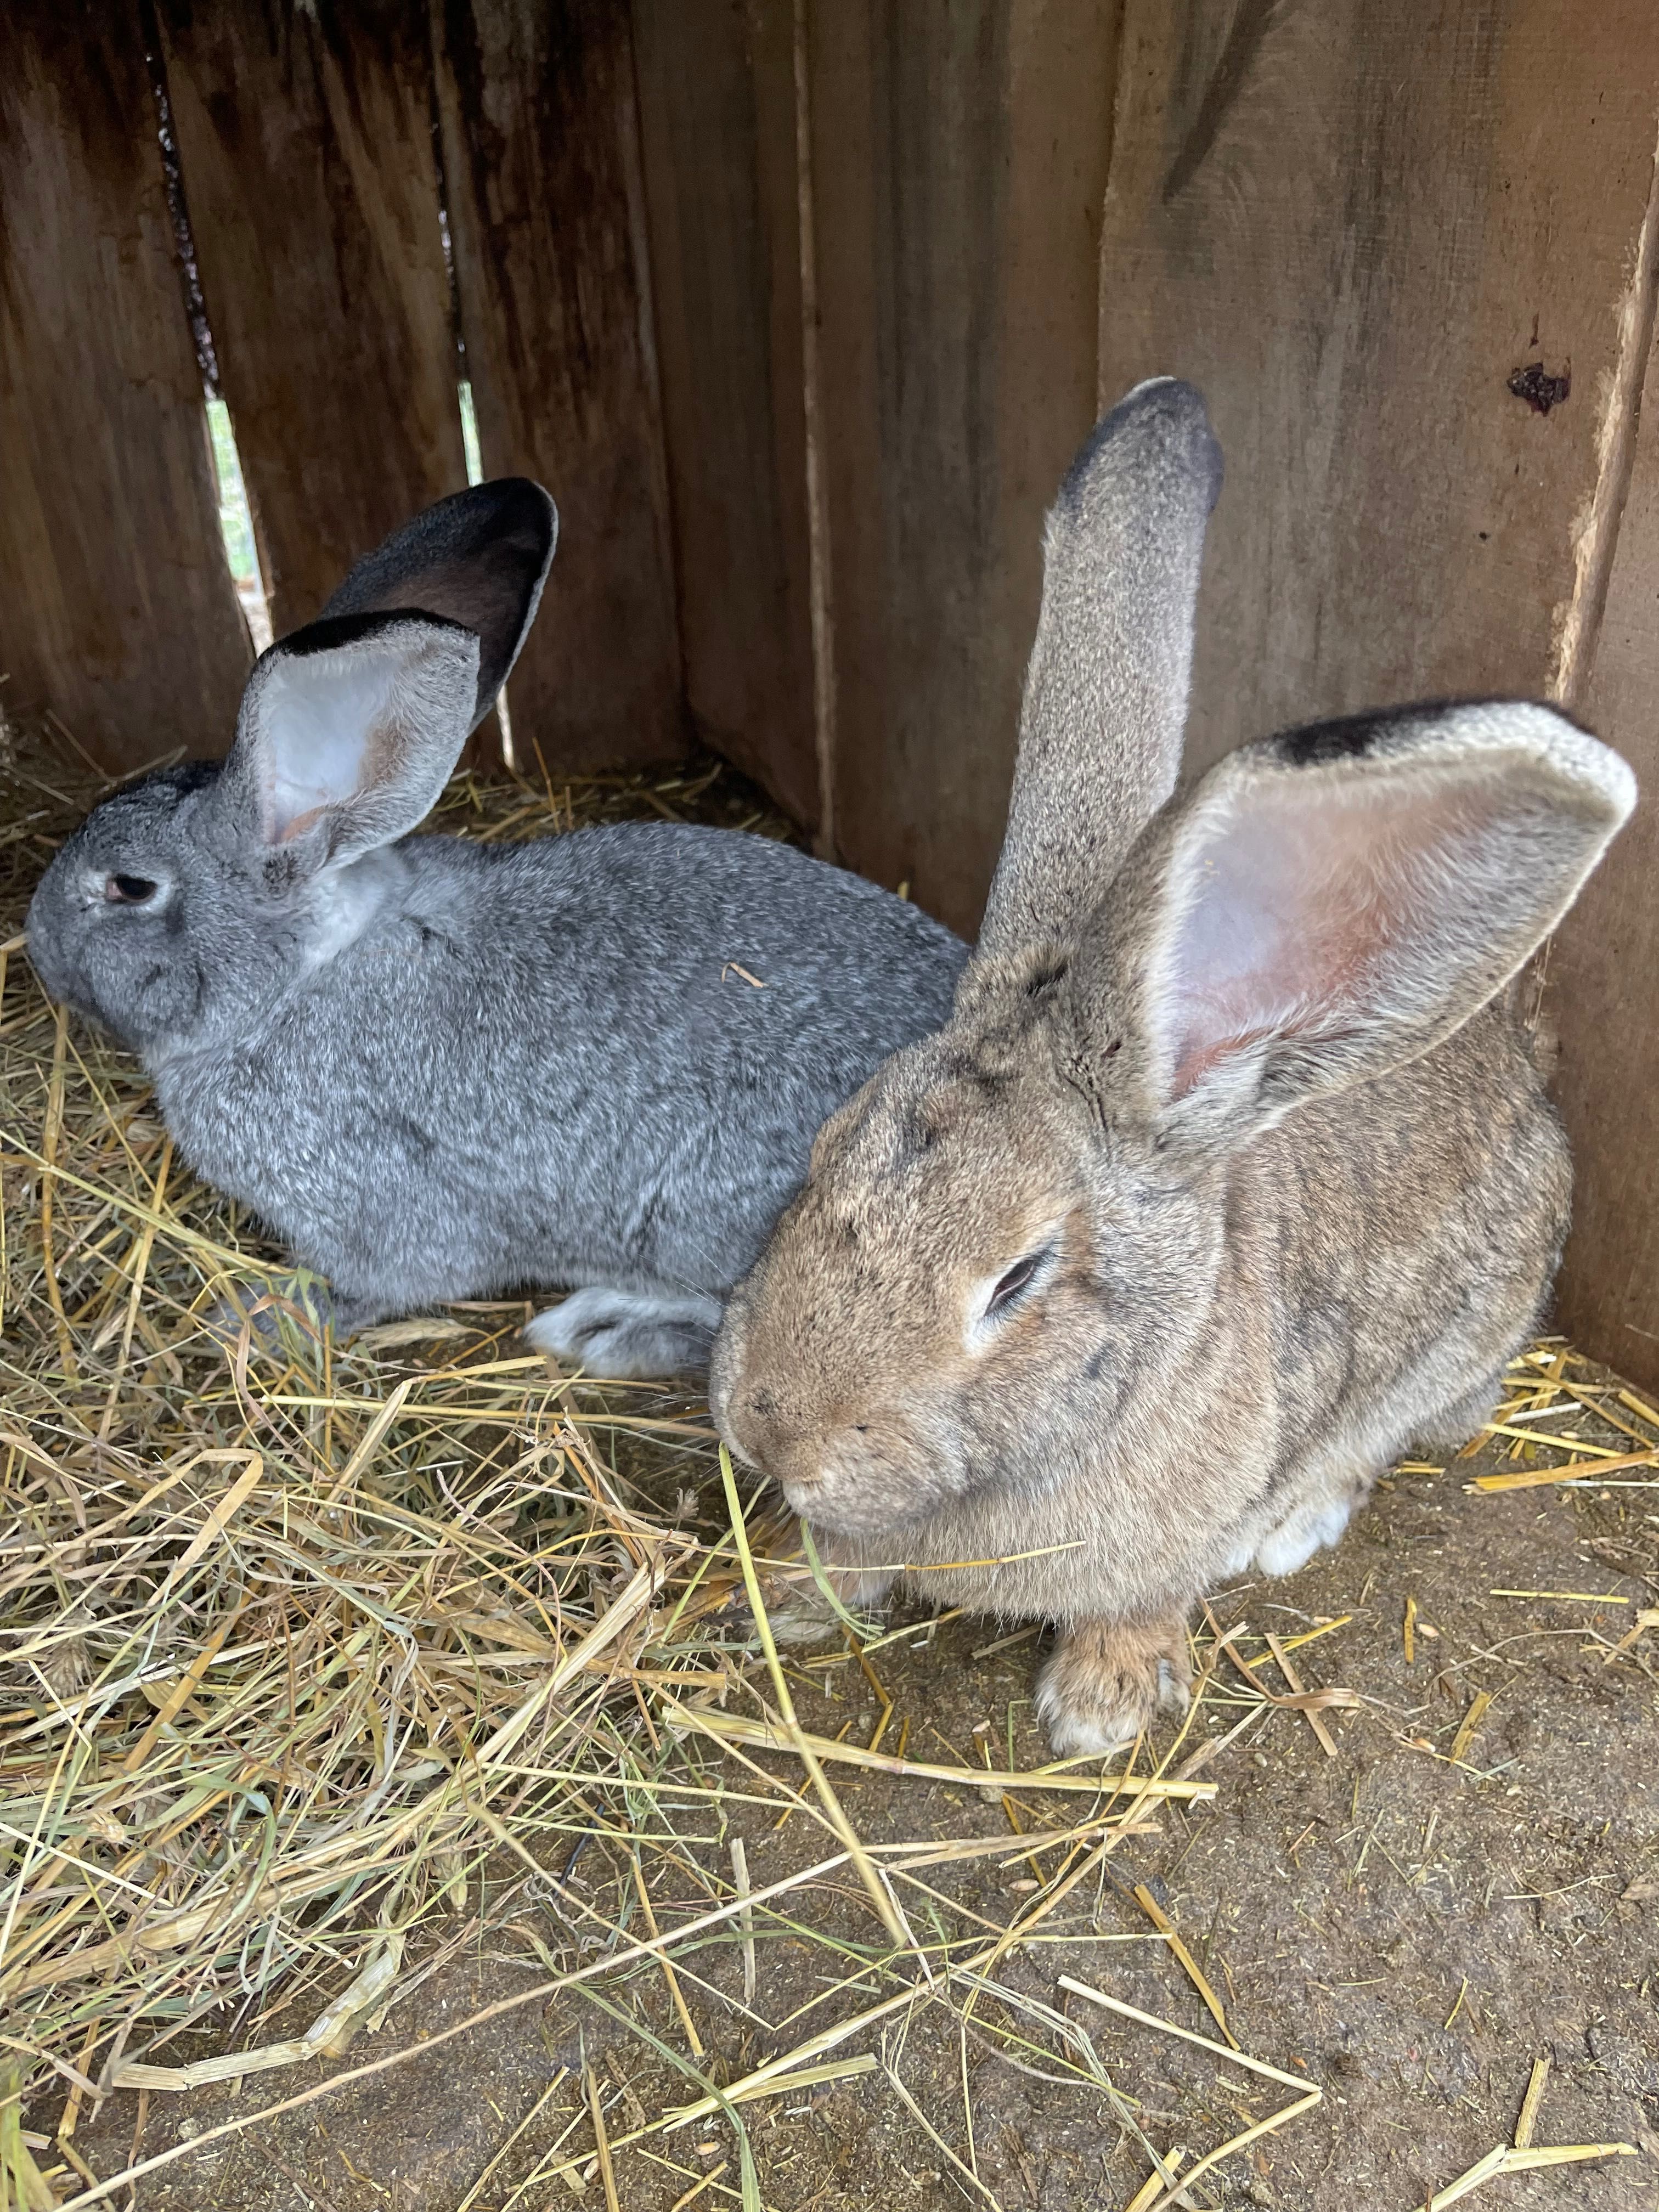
(1540, 390)
(183, 243)
(1245, 38)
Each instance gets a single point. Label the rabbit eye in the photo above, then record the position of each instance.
(1017, 1277)
(129, 891)
(1012, 1289)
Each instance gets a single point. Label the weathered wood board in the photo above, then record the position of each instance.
(305, 141)
(117, 609)
(1602, 992)
(959, 158)
(542, 169)
(717, 109)
(1349, 223)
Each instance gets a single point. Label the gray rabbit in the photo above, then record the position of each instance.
(1231, 1172)
(441, 1069)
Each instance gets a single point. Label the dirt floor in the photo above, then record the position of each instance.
(1410, 1933)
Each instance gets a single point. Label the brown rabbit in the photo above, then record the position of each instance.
(1230, 1173)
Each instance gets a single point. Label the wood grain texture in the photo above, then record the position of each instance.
(1349, 223)
(959, 157)
(116, 608)
(541, 166)
(717, 127)
(305, 140)
(1603, 972)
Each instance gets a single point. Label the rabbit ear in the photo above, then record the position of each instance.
(1332, 904)
(1105, 699)
(479, 559)
(348, 732)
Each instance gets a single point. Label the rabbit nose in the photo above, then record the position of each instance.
(840, 1453)
(761, 1426)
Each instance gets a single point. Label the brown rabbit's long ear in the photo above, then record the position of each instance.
(1105, 699)
(478, 558)
(1329, 904)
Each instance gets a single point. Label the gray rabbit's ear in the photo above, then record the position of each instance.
(479, 558)
(1105, 700)
(1329, 904)
(348, 732)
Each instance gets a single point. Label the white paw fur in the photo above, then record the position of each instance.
(626, 1334)
(1293, 1543)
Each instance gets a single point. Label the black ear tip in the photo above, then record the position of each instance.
(1164, 414)
(1346, 737)
(512, 497)
(513, 508)
(331, 633)
(442, 558)
(1396, 729)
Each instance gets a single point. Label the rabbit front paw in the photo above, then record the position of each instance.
(627, 1334)
(798, 1610)
(1107, 1681)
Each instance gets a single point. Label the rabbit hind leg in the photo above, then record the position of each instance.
(627, 1334)
(1313, 1523)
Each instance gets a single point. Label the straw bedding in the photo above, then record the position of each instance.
(292, 1637)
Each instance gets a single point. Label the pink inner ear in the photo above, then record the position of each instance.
(299, 825)
(1306, 904)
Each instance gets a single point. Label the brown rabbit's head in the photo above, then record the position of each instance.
(1009, 1235)
(957, 1299)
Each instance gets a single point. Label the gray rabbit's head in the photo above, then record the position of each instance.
(190, 883)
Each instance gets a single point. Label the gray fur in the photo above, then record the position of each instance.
(1266, 1125)
(1105, 697)
(441, 1069)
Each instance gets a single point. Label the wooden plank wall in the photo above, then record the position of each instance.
(313, 171)
(116, 607)
(546, 201)
(718, 118)
(305, 141)
(959, 153)
(1603, 972)
(1350, 224)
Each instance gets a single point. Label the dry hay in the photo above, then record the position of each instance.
(316, 1662)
